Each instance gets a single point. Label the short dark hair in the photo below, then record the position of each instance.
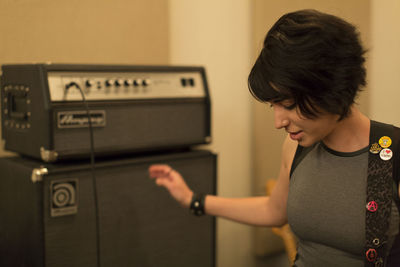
(313, 58)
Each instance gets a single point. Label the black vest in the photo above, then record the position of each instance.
(382, 188)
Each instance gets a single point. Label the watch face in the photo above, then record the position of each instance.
(197, 204)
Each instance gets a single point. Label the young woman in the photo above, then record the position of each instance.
(310, 70)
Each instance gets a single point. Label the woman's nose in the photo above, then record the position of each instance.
(280, 117)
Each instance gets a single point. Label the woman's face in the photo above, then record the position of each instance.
(305, 131)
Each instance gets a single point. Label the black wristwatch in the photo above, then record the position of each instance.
(197, 204)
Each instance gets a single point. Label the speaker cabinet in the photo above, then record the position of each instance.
(48, 213)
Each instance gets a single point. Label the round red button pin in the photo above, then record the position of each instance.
(372, 206)
(371, 254)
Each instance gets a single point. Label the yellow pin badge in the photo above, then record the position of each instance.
(385, 141)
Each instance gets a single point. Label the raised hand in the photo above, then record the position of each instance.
(172, 180)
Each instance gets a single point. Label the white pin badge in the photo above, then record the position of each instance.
(386, 154)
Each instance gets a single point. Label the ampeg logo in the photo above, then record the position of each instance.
(63, 197)
(79, 119)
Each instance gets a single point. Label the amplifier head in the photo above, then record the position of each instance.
(132, 109)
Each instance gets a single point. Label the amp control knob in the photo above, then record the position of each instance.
(128, 82)
(109, 82)
(119, 82)
(89, 83)
(146, 82)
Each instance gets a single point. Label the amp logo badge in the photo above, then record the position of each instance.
(63, 197)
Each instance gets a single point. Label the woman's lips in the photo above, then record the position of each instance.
(296, 135)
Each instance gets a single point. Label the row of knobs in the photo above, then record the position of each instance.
(120, 82)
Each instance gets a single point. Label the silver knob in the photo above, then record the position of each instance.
(146, 82)
(128, 82)
(89, 83)
(109, 82)
(119, 82)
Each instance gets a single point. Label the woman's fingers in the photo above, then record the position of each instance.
(167, 177)
(159, 170)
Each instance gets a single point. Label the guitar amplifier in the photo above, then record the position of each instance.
(132, 109)
(49, 219)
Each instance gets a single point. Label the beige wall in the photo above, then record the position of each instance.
(216, 34)
(385, 61)
(84, 31)
(94, 31)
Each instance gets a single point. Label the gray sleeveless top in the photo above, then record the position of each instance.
(326, 208)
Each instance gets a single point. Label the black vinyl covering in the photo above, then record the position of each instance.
(139, 223)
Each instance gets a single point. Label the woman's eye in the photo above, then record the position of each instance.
(289, 107)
